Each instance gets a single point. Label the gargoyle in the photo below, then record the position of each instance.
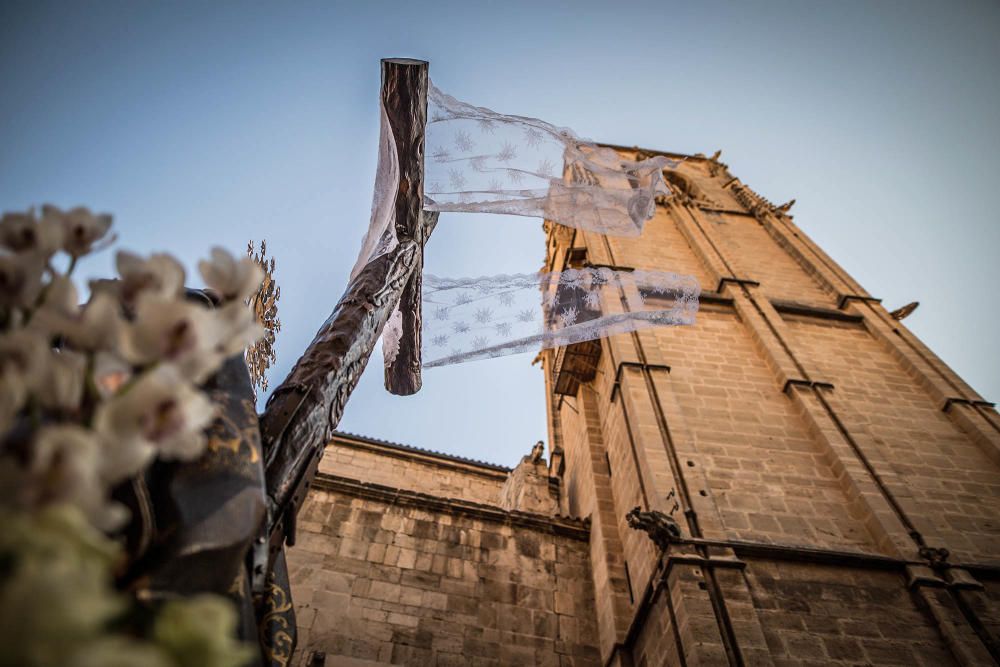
(905, 311)
(662, 529)
(537, 452)
(784, 208)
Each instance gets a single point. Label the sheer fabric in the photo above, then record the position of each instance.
(480, 161)
(381, 235)
(466, 319)
(477, 160)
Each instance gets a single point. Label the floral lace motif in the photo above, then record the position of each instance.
(492, 316)
(480, 161)
(391, 335)
(484, 162)
(381, 236)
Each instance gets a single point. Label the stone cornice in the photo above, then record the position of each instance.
(654, 151)
(419, 455)
(577, 529)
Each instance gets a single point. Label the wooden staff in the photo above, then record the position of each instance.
(304, 410)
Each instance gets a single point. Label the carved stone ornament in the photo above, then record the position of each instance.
(538, 452)
(662, 529)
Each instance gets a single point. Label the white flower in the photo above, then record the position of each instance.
(111, 373)
(23, 353)
(66, 467)
(160, 414)
(21, 232)
(20, 279)
(99, 325)
(81, 229)
(62, 388)
(61, 298)
(185, 334)
(233, 279)
(194, 338)
(237, 328)
(160, 275)
(13, 395)
(23, 361)
(96, 326)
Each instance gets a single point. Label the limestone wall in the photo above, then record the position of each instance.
(836, 485)
(380, 462)
(384, 576)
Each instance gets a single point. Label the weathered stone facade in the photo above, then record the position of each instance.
(442, 561)
(835, 486)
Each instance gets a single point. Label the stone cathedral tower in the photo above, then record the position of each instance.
(795, 480)
(836, 485)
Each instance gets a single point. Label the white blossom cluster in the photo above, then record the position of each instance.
(91, 393)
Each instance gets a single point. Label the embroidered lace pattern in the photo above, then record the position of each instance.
(466, 319)
(381, 235)
(477, 160)
(481, 161)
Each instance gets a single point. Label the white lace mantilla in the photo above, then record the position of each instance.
(381, 235)
(477, 160)
(466, 319)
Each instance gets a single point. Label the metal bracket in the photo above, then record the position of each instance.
(703, 562)
(795, 382)
(632, 364)
(846, 298)
(964, 401)
(613, 267)
(735, 281)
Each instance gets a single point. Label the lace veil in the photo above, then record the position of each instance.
(480, 161)
(483, 162)
(478, 318)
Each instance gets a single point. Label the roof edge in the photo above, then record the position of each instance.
(655, 151)
(411, 449)
(572, 527)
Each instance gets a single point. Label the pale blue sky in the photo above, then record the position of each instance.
(199, 124)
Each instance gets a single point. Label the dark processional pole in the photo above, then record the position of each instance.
(304, 410)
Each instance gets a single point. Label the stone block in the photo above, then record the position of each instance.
(564, 603)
